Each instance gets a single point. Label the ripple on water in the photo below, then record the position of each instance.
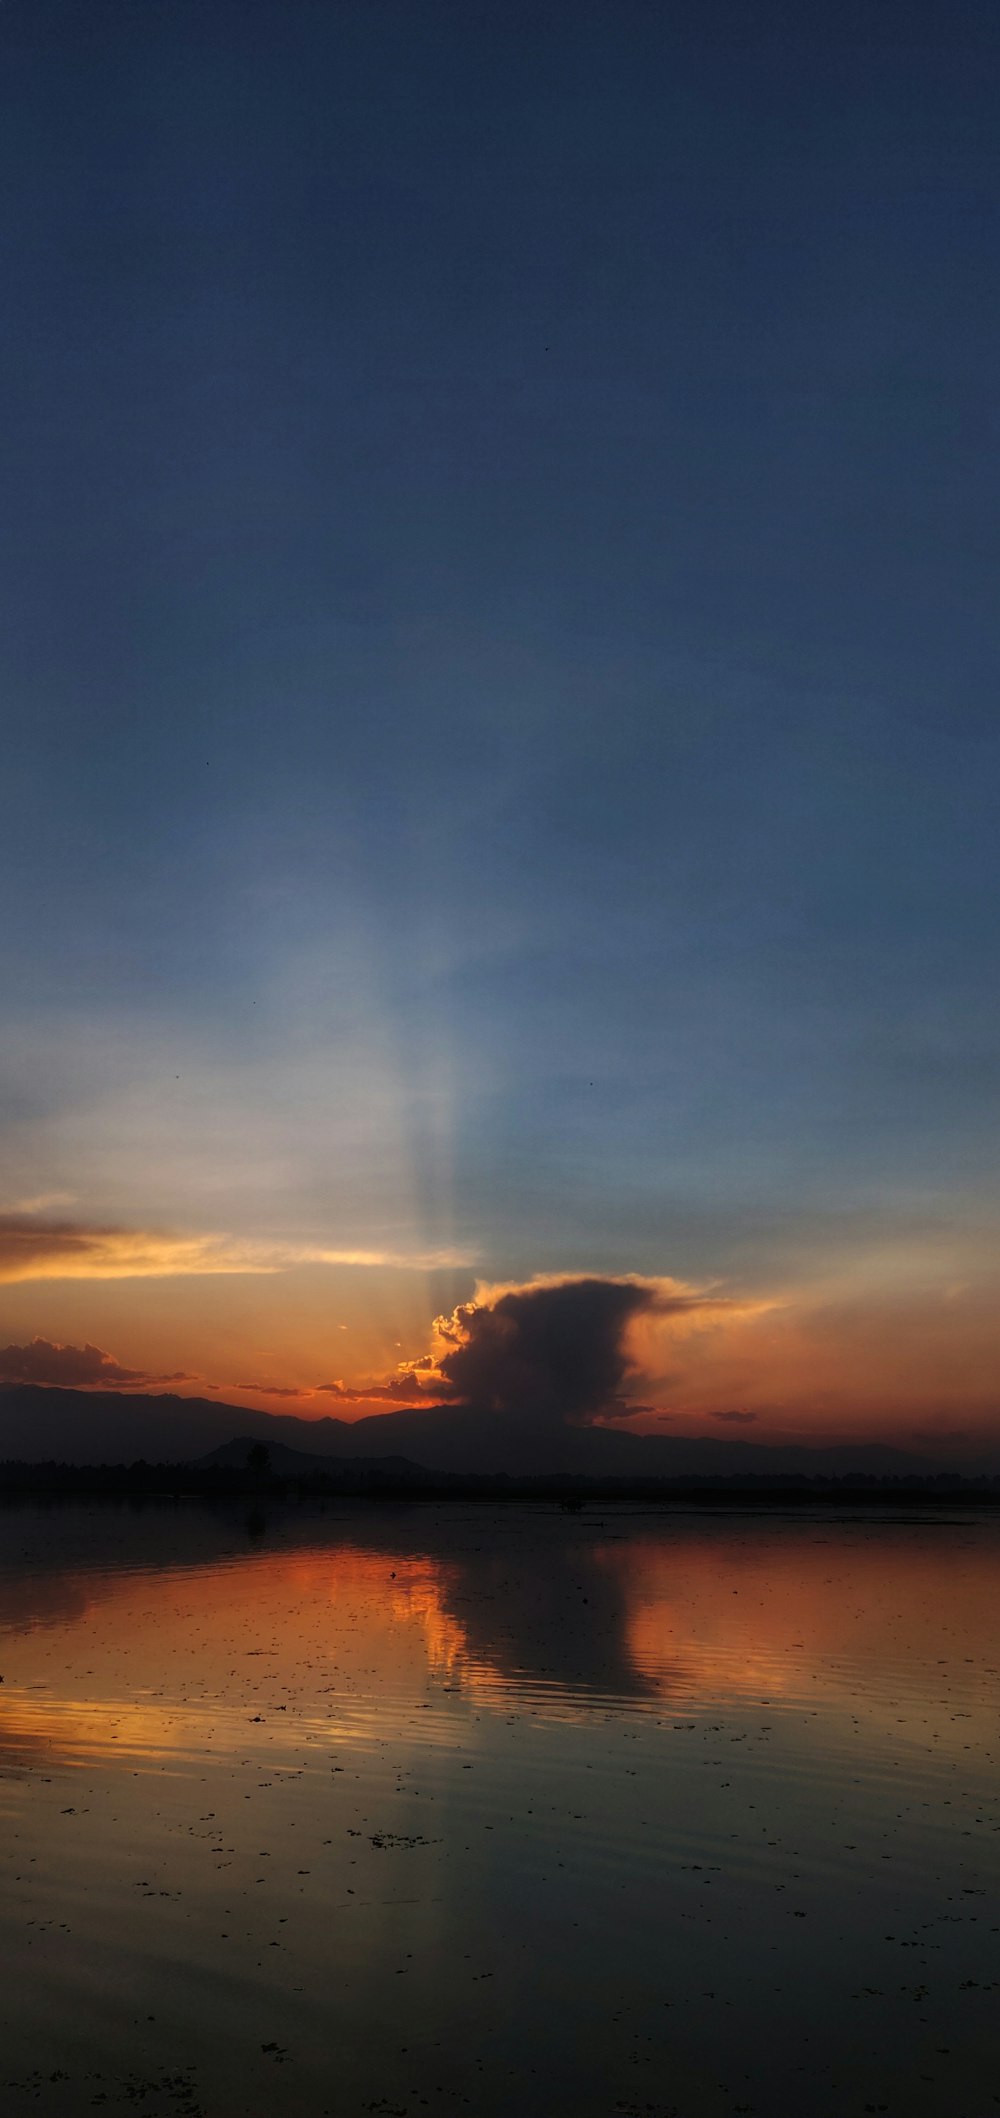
(492, 1811)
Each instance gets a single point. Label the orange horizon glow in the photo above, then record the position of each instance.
(856, 1359)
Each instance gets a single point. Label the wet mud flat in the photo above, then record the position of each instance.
(456, 1808)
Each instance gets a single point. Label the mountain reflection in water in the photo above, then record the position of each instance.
(742, 1761)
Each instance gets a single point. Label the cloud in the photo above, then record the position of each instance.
(273, 1390)
(736, 1419)
(33, 1247)
(43, 1201)
(400, 1260)
(75, 1368)
(36, 1247)
(552, 1351)
(401, 1390)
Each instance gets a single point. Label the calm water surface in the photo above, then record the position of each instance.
(498, 1810)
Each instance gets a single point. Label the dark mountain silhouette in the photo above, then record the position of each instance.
(283, 1462)
(93, 1427)
(104, 1426)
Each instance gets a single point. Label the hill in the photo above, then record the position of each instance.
(93, 1427)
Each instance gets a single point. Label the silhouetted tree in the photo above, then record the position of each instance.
(259, 1459)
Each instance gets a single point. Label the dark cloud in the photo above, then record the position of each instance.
(400, 1391)
(75, 1368)
(736, 1419)
(32, 1246)
(272, 1389)
(550, 1353)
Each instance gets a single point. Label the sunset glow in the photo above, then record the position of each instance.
(501, 774)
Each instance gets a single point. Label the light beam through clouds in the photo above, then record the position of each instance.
(539, 632)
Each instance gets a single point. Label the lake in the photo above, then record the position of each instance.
(499, 1809)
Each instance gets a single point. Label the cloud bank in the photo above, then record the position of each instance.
(36, 1247)
(401, 1390)
(75, 1368)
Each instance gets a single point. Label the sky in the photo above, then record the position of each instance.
(500, 752)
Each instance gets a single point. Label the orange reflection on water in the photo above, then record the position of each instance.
(263, 1653)
(268, 1652)
(771, 1613)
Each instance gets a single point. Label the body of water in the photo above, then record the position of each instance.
(499, 1810)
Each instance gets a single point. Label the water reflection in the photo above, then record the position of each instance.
(493, 1809)
(484, 1604)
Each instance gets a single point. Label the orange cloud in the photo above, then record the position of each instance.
(399, 1390)
(830, 1363)
(33, 1247)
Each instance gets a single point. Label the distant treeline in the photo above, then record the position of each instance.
(216, 1482)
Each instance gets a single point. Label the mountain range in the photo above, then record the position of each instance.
(40, 1424)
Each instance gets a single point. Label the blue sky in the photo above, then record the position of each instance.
(499, 601)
